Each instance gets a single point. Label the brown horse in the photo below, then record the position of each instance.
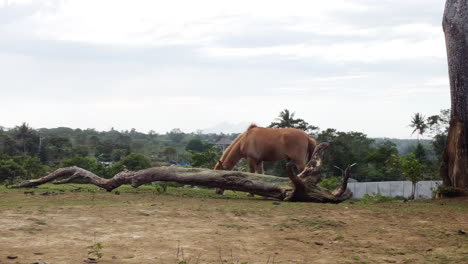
(258, 144)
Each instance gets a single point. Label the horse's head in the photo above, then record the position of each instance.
(219, 165)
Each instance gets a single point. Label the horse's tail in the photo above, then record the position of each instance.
(311, 148)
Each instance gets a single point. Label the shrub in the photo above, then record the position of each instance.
(375, 198)
(330, 183)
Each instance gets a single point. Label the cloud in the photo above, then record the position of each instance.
(288, 31)
(192, 64)
(365, 52)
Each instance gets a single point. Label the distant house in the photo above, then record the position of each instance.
(223, 143)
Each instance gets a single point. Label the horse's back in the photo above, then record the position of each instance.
(272, 144)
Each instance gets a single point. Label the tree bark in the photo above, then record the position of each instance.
(454, 170)
(303, 188)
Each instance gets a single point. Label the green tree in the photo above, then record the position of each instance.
(152, 134)
(33, 167)
(286, 119)
(419, 124)
(206, 158)
(123, 139)
(80, 137)
(176, 135)
(196, 145)
(135, 161)
(438, 124)
(8, 145)
(21, 133)
(132, 162)
(58, 148)
(118, 154)
(138, 145)
(169, 153)
(10, 170)
(346, 148)
(80, 150)
(410, 167)
(87, 163)
(438, 143)
(377, 161)
(104, 150)
(420, 153)
(94, 141)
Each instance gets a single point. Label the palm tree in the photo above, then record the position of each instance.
(286, 119)
(21, 133)
(419, 125)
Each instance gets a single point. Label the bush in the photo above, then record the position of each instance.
(206, 158)
(330, 183)
(86, 163)
(375, 198)
(9, 170)
(20, 167)
(444, 191)
(135, 162)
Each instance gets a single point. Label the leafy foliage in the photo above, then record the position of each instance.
(95, 250)
(135, 161)
(9, 170)
(176, 135)
(410, 167)
(286, 119)
(419, 124)
(375, 198)
(445, 191)
(330, 183)
(206, 158)
(196, 145)
(20, 167)
(87, 163)
(345, 148)
(28, 153)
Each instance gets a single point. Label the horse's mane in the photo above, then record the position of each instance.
(251, 126)
(236, 142)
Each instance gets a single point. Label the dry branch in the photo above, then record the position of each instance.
(304, 189)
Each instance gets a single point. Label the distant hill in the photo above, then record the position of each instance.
(227, 128)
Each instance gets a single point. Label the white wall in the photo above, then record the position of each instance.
(393, 188)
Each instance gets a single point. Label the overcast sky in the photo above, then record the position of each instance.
(353, 65)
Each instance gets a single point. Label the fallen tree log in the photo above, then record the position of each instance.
(304, 187)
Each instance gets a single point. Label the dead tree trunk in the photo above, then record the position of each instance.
(454, 170)
(304, 186)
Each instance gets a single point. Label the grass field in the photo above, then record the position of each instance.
(56, 224)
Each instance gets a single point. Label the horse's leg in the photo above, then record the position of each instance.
(219, 191)
(259, 168)
(252, 167)
(300, 165)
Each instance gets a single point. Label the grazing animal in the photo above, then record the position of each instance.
(258, 144)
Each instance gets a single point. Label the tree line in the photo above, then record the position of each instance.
(27, 153)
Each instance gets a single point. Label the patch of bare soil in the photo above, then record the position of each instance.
(142, 228)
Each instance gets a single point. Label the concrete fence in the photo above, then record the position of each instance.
(393, 188)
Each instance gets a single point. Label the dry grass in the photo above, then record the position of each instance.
(196, 226)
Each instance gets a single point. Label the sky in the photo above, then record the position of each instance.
(352, 65)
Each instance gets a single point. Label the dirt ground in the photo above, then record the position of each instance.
(190, 226)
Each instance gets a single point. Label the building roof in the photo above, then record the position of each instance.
(223, 141)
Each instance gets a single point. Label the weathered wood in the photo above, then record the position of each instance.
(454, 170)
(231, 180)
(305, 185)
(304, 189)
